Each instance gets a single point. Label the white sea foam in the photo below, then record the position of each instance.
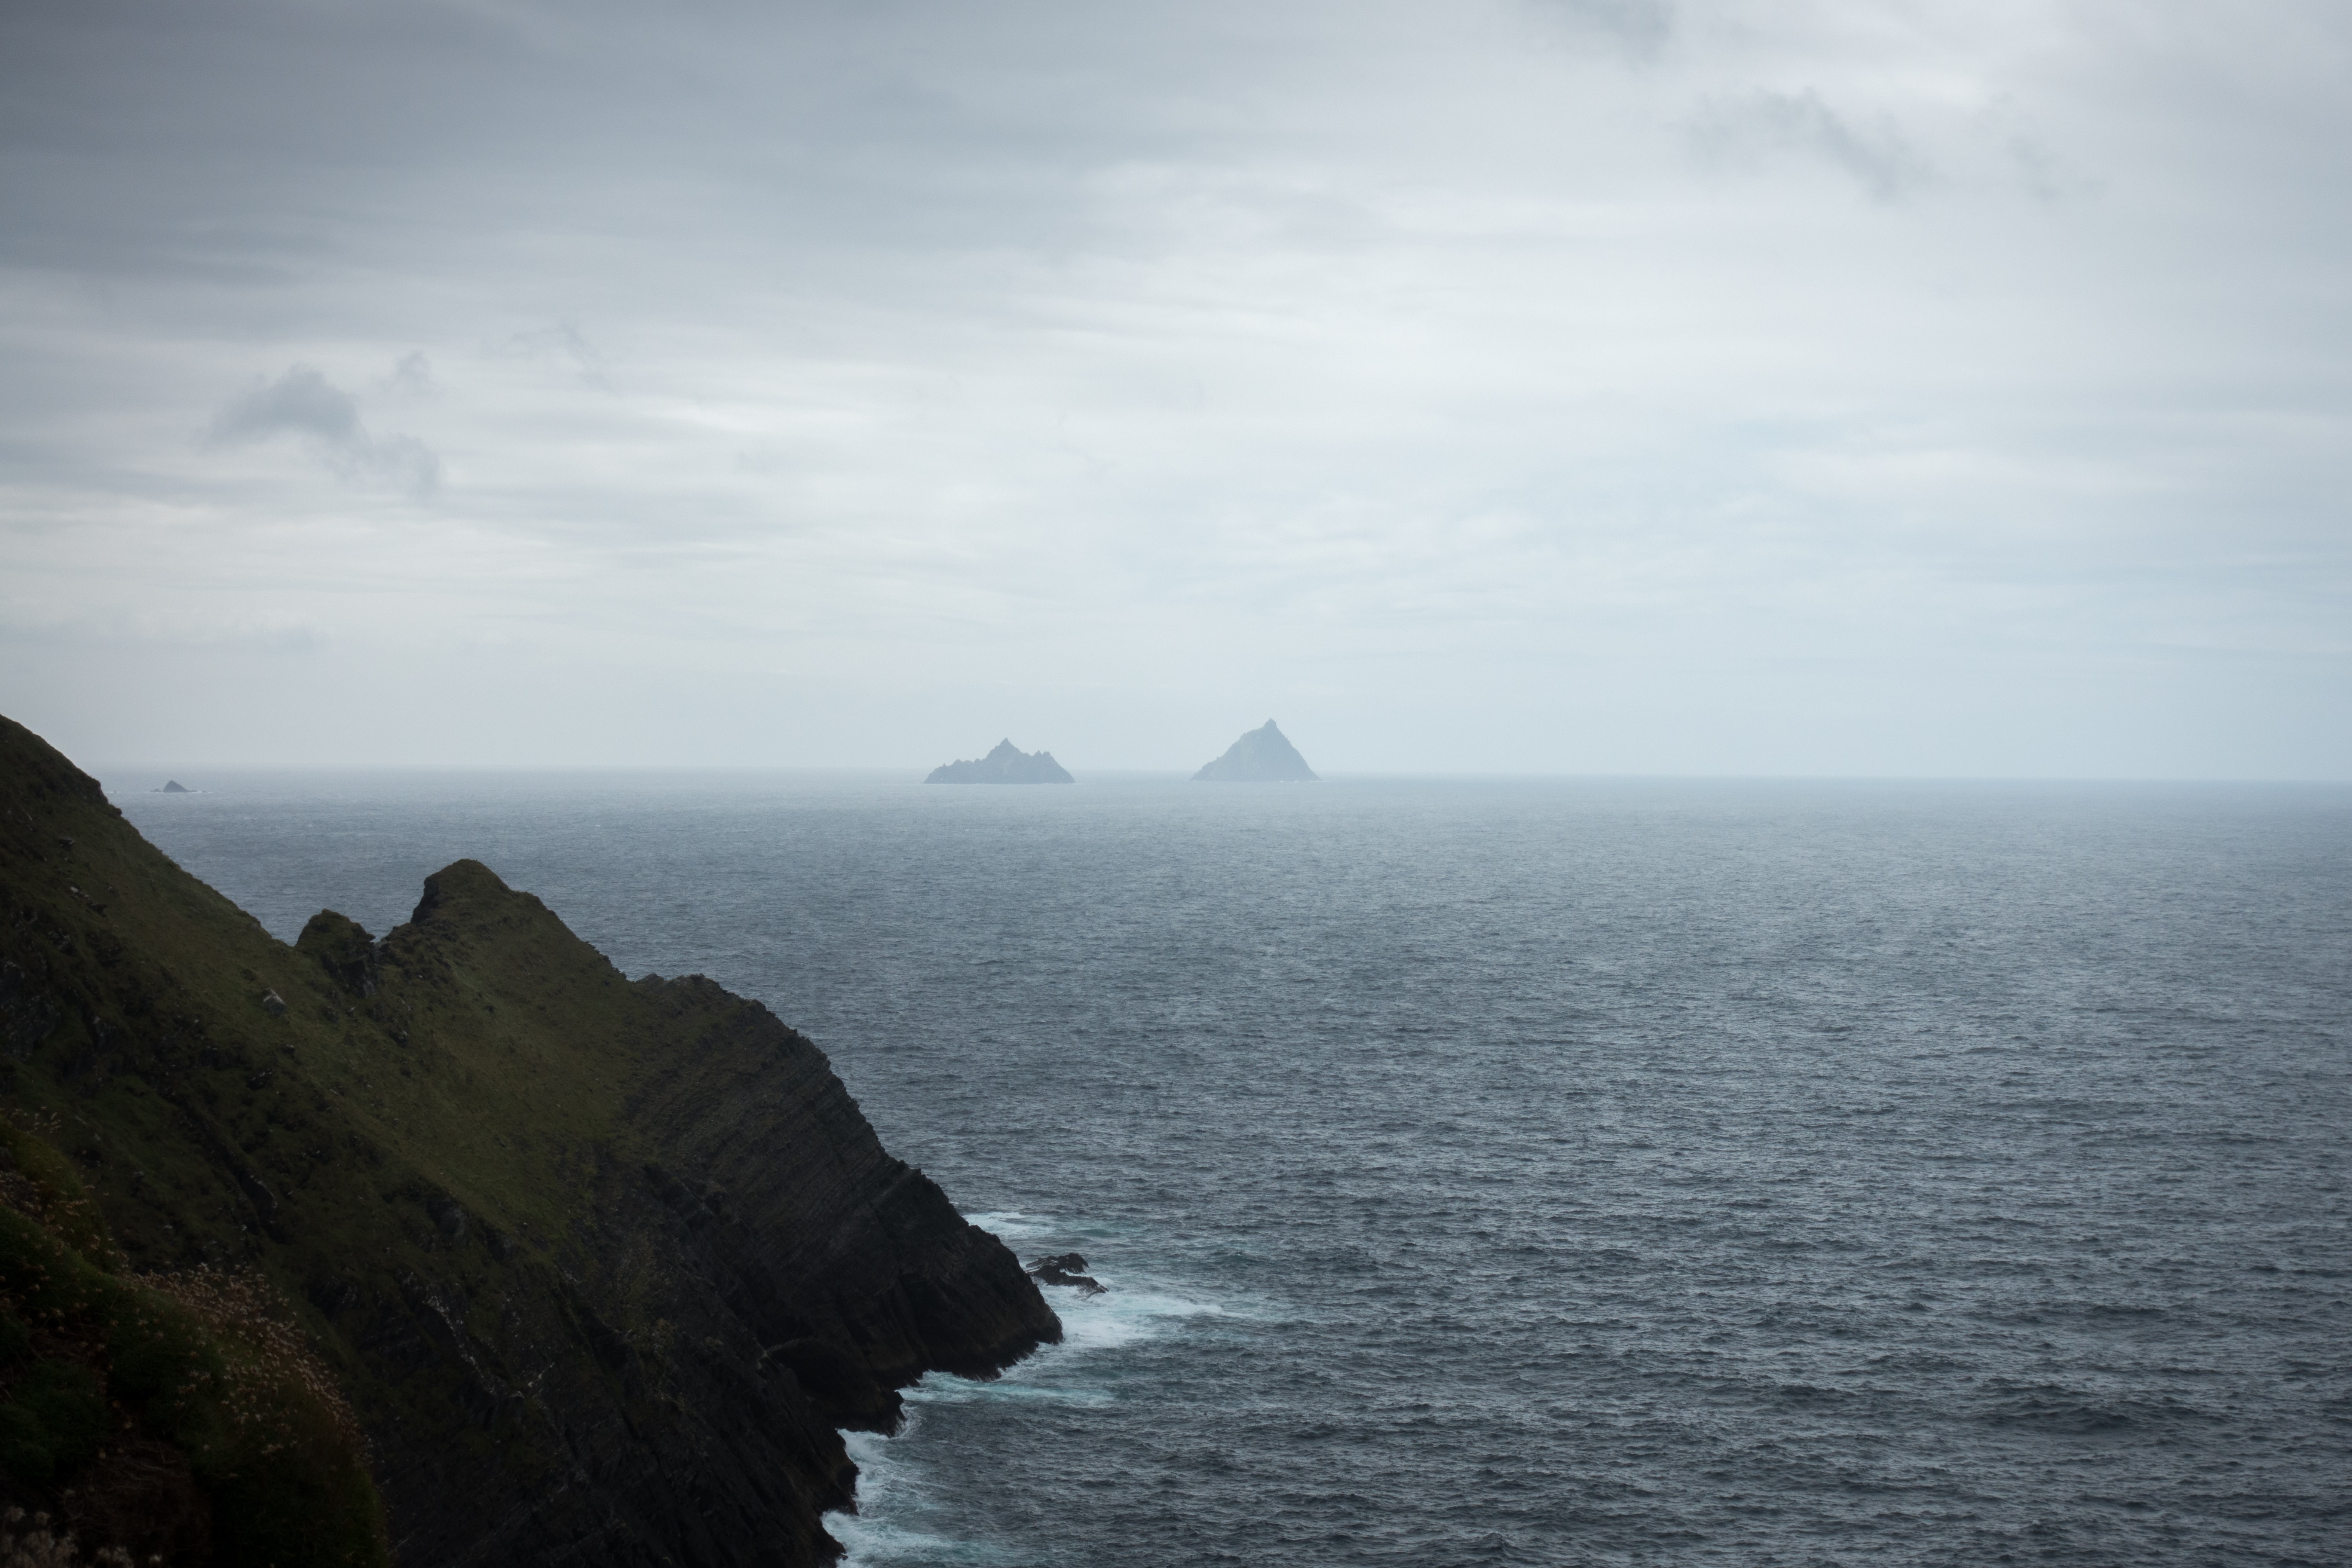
(877, 1541)
(1011, 1223)
(892, 1506)
(940, 1388)
(1066, 1374)
(1020, 1225)
(894, 1524)
(1126, 1312)
(1122, 1315)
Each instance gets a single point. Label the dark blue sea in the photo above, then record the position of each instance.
(1571, 1171)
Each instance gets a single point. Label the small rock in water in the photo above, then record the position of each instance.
(1068, 1268)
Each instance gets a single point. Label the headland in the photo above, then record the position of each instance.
(550, 1264)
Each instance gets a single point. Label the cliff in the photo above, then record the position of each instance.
(1264, 755)
(602, 1266)
(1006, 765)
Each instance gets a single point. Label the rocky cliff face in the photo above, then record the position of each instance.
(602, 1265)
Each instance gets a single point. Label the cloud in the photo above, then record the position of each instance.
(563, 345)
(413, 377)
(304, 404)
(1641, 27)
(1744, 131)
(301, 400)
(1137, 350)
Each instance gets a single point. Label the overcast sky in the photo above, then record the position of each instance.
(1513, 386)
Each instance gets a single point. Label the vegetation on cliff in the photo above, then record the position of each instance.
(600, 1265)
(178, 1416)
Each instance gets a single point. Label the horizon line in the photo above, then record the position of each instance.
(915, 771)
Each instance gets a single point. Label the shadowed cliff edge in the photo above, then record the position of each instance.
(602, 1266)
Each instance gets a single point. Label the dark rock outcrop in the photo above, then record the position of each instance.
(1067, 1268)
(1264, 755)
(1006, 765)
(342, 947)
(603, 1266)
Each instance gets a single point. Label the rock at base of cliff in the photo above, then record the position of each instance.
(1068, 1268)
(1265, 755)
(1006, 765)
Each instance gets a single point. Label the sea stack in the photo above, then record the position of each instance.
(172, 786)
(1006, 765)
(1265, 755)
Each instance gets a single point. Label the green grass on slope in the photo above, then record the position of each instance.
(230, 1102)
(402, 1139)
(104, 1371)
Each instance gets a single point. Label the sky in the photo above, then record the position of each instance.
(1552, 387)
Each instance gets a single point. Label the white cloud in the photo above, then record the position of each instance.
(1641, 27)
(412, 376)
(1752, 129)
(303, 404)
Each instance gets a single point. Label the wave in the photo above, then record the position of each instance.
(1130, 1308)
(1011, 1224)
(1124, 1314)
(895, 1523)
(891, 1500)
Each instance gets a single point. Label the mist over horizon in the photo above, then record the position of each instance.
(138, 775)
(1561, 387)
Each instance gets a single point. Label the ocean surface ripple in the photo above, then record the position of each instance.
(1531, 1173)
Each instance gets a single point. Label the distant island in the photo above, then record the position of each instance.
(1006, 765)
(1263, 757)
(172, 786)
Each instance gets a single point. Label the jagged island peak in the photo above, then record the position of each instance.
(1264, 755)
(1008, 764)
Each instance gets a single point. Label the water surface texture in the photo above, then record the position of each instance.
(1498, 1172)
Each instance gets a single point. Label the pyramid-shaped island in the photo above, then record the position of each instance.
(1006, 765)
(1263, 757)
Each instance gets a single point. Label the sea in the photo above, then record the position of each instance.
(1498, 1171)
